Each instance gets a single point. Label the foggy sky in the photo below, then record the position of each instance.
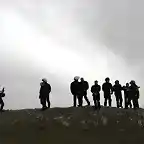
(59, 39)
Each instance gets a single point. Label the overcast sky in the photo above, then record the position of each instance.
(59, 39)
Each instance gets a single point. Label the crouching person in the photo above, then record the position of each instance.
(95, 89)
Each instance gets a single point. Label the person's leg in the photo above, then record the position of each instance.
(99, 106)
(2, 104)
(126, 101)
(137, 103)
(80, 100)
(95, 102)
(117, 100)
(105, 99)
(109, 99)
(121, 101)
(134, 103)
(130, 103)
(74, 100)
(86, 98)
(105, 102)
(43, 102)
(48, 101)
(98, 101)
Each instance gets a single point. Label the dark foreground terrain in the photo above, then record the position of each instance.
(72, 126)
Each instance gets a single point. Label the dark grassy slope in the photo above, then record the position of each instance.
(72, 126)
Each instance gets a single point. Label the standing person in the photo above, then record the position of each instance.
(85, 87)
(107, 89)
(45, 90)
(2, 94)
(95, 89)
(117, 89)
(127, 96)
(134, 91)
(74, 87)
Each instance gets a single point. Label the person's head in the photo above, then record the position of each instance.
(127, 84)
(82, 79)
(132, 82)
(44, 80)
(95, 82)
(76, 78)
(107, 79)
(116, 82)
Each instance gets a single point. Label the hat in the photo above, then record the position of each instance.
(76, 77)
(44, 80)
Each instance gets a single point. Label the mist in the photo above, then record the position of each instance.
(60, 39)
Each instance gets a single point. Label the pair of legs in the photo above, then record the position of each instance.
(80, 99)
(135, 102)
(119, 100)
(96, 99)
(45, 100)
(107, 97)
(86, 98)
(128, 101)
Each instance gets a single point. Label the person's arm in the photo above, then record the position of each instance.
(40, 92)
(49, 88)
(92, 89)
(121, 87)
(87, 85)
(103, 87)
(99, 88)
(71, 88)
(112, 88)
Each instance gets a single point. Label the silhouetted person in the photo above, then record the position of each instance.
(107, 89)
(84, 88)
(134, 91)
(117, 89)
(75, 90)
(2, 94)
(95, 89)
(127, 96)
(44, 94)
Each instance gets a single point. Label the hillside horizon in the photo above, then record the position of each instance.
(72, 125)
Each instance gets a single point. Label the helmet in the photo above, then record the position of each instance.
(127, 84)
(82, 78)
(107, 79)
(76, 77)
(117, 81)
(132, 82)
(95, 81)
(44, 80)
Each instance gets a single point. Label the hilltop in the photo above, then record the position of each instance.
(72, 126)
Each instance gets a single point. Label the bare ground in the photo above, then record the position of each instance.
(72, 126)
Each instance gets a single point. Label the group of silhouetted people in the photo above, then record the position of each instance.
(79, 88)
(131, 93)
(79, 91)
